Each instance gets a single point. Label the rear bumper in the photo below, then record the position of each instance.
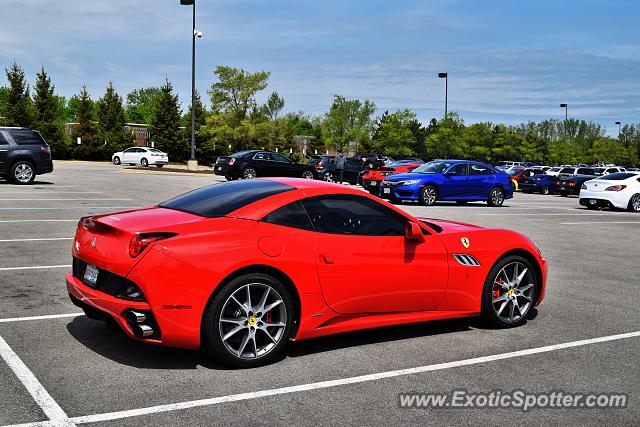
(44, 166)
(604, 199)
(153, 161)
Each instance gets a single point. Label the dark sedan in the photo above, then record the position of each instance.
(539, 183)
(257, 163)
(568, 185)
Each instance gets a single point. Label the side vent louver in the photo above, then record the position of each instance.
(466, 260)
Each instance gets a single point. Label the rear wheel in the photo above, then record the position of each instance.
(429, 195)
(546, 189)
(307, 174)
(229, 178)
(116, 160)
(144, 162)
(509, 292)
(634, 203)
(248, 322)
(22, 172)
(327, 176)
(496, 197)
(249, 173)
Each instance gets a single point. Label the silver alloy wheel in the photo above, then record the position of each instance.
(253, 321)
(513, 292)
(144, 162)
(546, 189)
(497, 197)
(328, 176)
(429, 195)
(116, 160)
(635, 203)
(23, 172)
(249, 173)
(307, 174)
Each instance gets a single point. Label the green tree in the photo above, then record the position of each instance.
(235, 90)
(445, 140)
(165, 125)
(47, 118)
(273, 106)
(111, 123)
(348, 121)
(4, 104)
(140, 104)
(19, 109)
(202, 153)
(396, 134)
(85, 129)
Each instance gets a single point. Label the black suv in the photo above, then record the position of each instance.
(23, 155)
(325, 167)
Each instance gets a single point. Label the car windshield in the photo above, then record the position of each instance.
(432, 167)
(620, 176)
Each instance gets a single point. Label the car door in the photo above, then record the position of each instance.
(4, 153)
(351, 169)
(366, 265)
(284, 166)
(128, 156)
(262, 163)
(481, 180)
(455, 182)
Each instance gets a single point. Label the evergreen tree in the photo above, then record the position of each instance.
(46, 117)
(111, 121)
(89, 149)
(202, 153)
(19, 108)
(165, 126)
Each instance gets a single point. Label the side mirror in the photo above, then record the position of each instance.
(413, 232)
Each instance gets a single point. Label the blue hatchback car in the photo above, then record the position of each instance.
(453, 180)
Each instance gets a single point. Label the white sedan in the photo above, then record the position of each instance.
(618, 190)
(143, 156)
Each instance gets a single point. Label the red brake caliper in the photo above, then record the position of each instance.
(497, 288)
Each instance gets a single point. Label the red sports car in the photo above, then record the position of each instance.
(241, 268)
(372, 178)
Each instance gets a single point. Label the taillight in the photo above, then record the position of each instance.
(572, 184)
(139, 241)
(385, 173)
(584, 186)
(232, 161)
(558, 183)
(317, 166)
(46, 149)
(615, 188)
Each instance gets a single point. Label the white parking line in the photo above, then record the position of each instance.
(37, 267)
(8, 221)
(35, 240)
(599, 222)
(50, 407)
(344, 381)
(45, 317)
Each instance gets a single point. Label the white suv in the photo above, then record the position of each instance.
(143, 156)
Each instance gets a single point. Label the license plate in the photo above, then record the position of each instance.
(592, 202)
(373, 183)
(91, 275)
(386, 190)
(219, 168)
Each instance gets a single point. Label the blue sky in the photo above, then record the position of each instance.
(508, 61)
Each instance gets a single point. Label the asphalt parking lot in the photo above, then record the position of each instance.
(82, 372)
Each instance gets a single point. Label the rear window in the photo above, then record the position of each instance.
(242, 153)
(26, 137)
(586, 171)
(620, 176)
(2, 140)
(222, 199)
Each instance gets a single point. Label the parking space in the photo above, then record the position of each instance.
(89, 369)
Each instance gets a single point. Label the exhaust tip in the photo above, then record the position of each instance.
(136, 317)
(142, 331)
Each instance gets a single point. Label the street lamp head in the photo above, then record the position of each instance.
(442, 75)
(198, 34)
(186, 2)
(563, 105)
(618, 123)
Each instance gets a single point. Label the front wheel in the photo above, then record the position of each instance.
(509, 292)
(249, 173)
(248, 322)
(307, 174)
(429, 195)
(496, 197)
(116, 160)
(144, 162)
(229, 178)
(327, 176)
(634, 203)
(22, 172)
(546, 190)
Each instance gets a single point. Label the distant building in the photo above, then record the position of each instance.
(139, 130)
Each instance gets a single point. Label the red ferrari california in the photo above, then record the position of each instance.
(240, 268)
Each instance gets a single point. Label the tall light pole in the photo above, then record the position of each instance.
(445, 76)
(192, 164)
(619, 130)
(566, 110)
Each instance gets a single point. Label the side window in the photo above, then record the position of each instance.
(261, 156)
(291, 215)
(279, 157)
(353, 215)
(353, 163)
(460, 169)
(3, 141)
(567, 170)
(26, 137)
(479, 170)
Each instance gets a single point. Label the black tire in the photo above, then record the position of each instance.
(22, 172)
(429, 195)
(634, 203)
(229, 178)
(496, 197)
(212, 341)
(116, 160)
(308, 174)
(144, 162)
(159, 166)
(327, 176)
(249, 173)
(546, 190)
(488, 311)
